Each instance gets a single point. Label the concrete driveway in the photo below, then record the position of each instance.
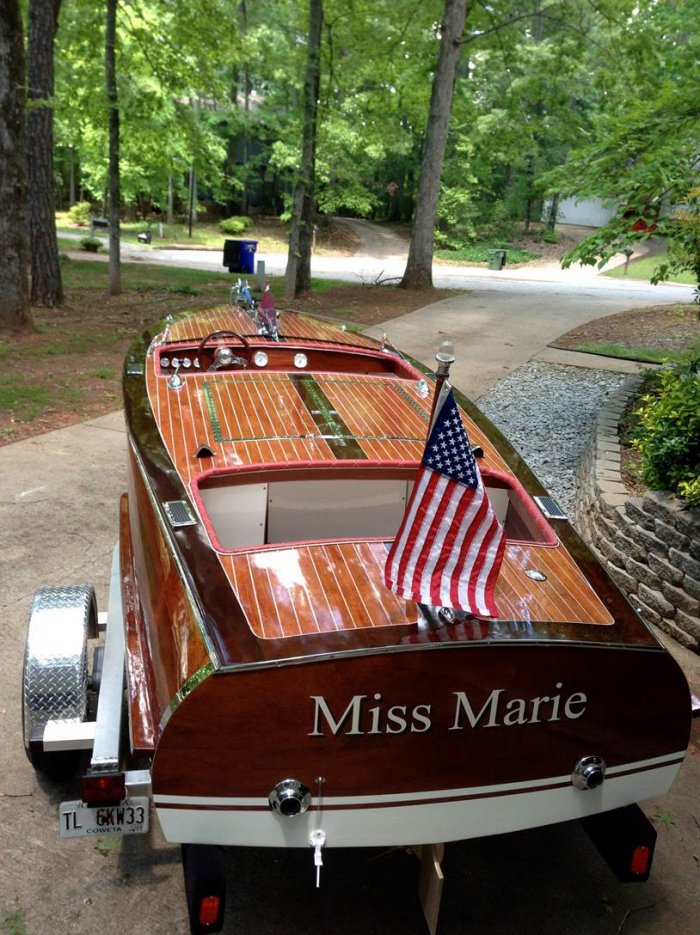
(58, 507)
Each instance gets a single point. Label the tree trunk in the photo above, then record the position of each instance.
(47, 287)
(247, 87)
(115, 287)
(14, 246)
(191, 213)
(171, 199)
(298, 274)
(553, 211)
(419, 266)
(532, 199)
(72, 197)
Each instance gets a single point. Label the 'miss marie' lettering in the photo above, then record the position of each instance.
(496, 712)
(359, 718)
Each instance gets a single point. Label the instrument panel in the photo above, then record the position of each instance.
(232, 357)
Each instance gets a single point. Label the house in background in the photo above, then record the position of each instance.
(588, 212)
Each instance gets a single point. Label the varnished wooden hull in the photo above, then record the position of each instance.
(435, 743)
(252, 661)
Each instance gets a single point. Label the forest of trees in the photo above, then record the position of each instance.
(542, 98)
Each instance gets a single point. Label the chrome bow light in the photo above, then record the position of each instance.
(589, 772)
(290, 798)
(445, 357)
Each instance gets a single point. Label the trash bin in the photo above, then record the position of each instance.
(239, 255)
(497, 259)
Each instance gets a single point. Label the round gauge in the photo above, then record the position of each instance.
(186, 362)
(260, 359)
(300, 361)
(175, 361)
(165, 361)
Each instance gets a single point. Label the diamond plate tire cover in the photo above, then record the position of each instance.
(55, 662)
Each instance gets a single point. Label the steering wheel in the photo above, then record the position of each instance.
(223, 333)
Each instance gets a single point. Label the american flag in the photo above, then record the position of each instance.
(449, 547)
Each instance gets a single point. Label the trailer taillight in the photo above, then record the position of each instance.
(209, 908)
(625, 838)
(205, 886)
(104, 789)
(640, 861)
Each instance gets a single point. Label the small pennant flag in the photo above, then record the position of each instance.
(449, 548)
(266, 312)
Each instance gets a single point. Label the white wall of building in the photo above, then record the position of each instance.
(590, 212)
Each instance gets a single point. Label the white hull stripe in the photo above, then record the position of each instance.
(410, 798)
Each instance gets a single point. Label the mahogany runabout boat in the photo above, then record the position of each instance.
(278, 693)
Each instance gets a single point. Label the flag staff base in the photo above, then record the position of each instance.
(445, 357)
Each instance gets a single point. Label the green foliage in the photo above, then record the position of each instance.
(107, 846)
(23, 400)
(91, 244)
(689, 491)
(80, 213)
(532, 87)
(13, 923)
(351, 198)
(647, 354)
(640, 152)
(664, 818)
(667, 433)
(684, 238)
(235, 225)
(479, 252)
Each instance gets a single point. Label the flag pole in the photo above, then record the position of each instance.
(445, 357)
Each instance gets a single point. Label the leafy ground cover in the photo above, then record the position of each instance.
(481, 251)
(69, 368)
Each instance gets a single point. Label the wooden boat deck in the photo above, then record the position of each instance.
(280, 418)
(261, 420)
(330, 587)
(295, 327)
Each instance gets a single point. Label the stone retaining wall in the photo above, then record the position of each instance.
(650, 545)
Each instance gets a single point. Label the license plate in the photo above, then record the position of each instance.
(77, 820)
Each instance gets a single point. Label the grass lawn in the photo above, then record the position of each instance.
(271, 234)
(653, 334)
(644, 269)
(651, 355)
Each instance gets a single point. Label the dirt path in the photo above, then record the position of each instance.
(375, 240)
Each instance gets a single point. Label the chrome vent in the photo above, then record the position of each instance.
(135, 368)
(179, 512)
(550, 508)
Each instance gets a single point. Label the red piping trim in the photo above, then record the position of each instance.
(241, 472)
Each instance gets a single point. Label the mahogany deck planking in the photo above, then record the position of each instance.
(250, 418)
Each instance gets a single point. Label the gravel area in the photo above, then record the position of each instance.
(548, 413)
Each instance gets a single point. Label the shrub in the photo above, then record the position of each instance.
(667, 434)
(90, 244)
(689, 490)
(235, 225)
(80, 213)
